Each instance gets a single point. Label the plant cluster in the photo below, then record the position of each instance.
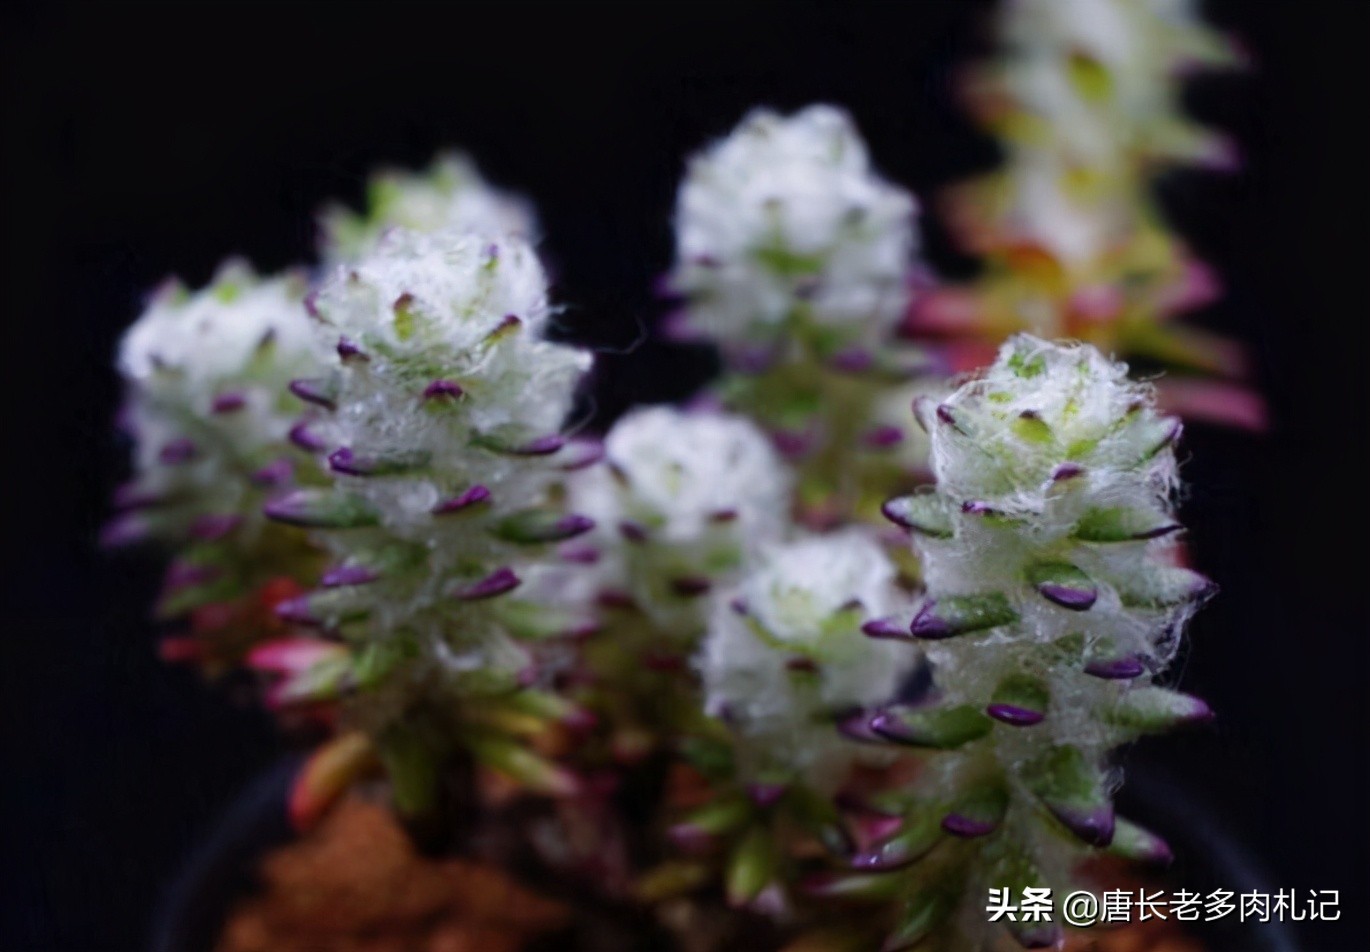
(723, 673)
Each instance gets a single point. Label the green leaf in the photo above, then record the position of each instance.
(789, 263)
(922, 830)
(941, 728)
(1031, 428)
(1122, 524)
(1153, 710)
(819, 816)
(1019, 699)
(1016, 871)
(960, 614)
(924, 513)
(1074, 791)
(1162, 586)
(921, 915)
(1091, 78)
(752, 866)
(1132, 842)
(723, 815)
(518, 762)
(978, 811)
(412, 768)
(323, 509)
(378, 659)
(406, 318)
(1064, 584)
(538, 526)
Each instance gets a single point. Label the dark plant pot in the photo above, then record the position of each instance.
(220, 872)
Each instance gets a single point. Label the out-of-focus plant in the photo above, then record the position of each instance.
(450, 194)
(796, 259)
(684, 677)
(1085, 103)
(211, 423)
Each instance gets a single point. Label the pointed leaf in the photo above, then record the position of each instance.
(1063, 584)
(942, 728)
(921, 915)
(322, 509)
(1074, 791)
(868, 887)
(538, 526)
(1123, 524)
(1153, 710)
(1029, 427)
(328, 774)
(1163, 586)
(518, 762)
(924, 513)
(351, 463)
(959, 614)
(920, 832)
(1132, 842)
(752, 866)
(1019, 700)
(978, 812)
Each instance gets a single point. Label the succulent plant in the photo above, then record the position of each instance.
(783, 658)
(440, 419)
(1053, 606)
(744, 699)
(682, 502)
(1085, 100)
(796, 259)
(449, 195)
(205, 376)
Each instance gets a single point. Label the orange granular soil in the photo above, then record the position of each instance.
(356, 885)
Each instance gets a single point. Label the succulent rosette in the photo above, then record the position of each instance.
(684, 499)
(1086, 99)
(796, 259)
(784, 658)
(451, 194)
(440, 420)
(1098, 78)
(206, 406)
(1053, 605)
(783, 227)
(747, 699)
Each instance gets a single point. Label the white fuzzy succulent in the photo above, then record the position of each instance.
(684, 499)
(449, 373)
(442, 419)
(206, 374)
(1053, 599)
(785, 657)
(785, 220)
(1101, 75)
(1078, 226)
(450, 195)
(1054, 477)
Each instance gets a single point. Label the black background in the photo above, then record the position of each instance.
(143, 140)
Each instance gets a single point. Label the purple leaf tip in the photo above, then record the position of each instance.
(496, 583)
(228, 402)
(464, 500)
(443, 390)
(1014, 715)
